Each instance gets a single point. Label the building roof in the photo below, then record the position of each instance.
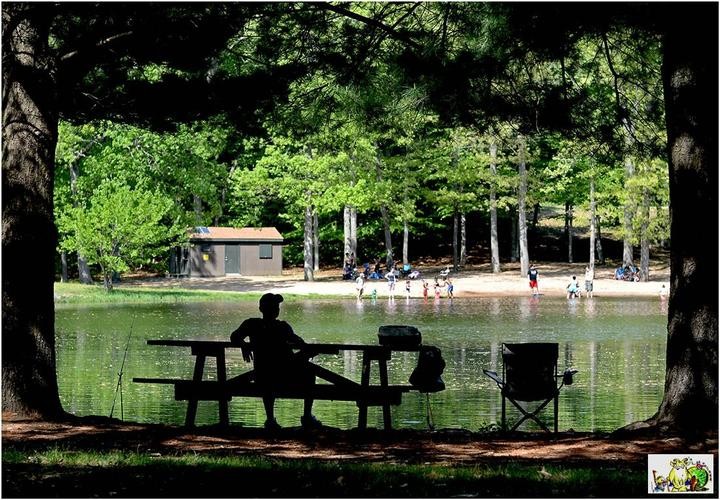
(236, 234)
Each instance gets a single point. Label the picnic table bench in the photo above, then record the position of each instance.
(335, 387)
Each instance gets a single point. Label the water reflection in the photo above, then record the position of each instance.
(618, 346)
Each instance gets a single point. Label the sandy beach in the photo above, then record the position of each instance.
(473, 281)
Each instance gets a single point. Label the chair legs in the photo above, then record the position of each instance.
(533, 415)
(504, 425)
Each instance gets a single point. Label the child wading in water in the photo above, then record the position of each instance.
(425, 289)
(450, 288)
(532, 277)
(407, 288)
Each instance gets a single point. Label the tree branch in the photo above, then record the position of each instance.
(371, 22)
(99, 44)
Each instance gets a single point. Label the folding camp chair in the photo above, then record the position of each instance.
(530, 374)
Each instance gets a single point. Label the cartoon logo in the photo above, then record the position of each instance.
(673, 474)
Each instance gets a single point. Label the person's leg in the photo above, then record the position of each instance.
(269, 404)
(307, 408)
(308, 420)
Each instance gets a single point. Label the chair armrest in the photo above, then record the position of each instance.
(567, 376)
(493, 375)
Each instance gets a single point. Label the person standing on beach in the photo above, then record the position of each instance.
(407, 288)
(450, 288)
(533, 277)
(589, 277)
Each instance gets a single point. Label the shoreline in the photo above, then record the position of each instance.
(473, 281)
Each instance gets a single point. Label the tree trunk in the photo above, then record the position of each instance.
(598, 242)
(522, 222)
(628, 212)
(690, 402)
(346, 233)
(64, 267)
(645, 237)
(463, 241)
(316, 242)
(29, 138)
(456, 231)
(533, 225)
(84, 274)
(406, 238)
(308, 245)
(353, 232)
(107, 279)
(592, 224)
(494, 244)
(569, 229)
(198, 210)
(514, 244)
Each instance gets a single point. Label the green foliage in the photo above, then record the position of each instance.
(399, 119)
(120, 227)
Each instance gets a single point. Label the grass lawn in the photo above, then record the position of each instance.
(67, 473)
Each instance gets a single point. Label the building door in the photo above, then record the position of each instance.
(232, 259)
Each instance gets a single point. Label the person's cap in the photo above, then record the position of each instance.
(270, 298)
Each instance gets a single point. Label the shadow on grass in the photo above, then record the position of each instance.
(303, 478)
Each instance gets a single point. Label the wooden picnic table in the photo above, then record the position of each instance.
(337, 387)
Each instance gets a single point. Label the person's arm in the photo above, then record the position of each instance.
(238, 337)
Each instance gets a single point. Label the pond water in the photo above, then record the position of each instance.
(617, 344)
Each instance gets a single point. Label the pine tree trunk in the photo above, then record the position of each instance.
(494, 244)
(592, 224)
(347, 245)
(522, 222)
(598, 242)
(456, 231)
(514, 244)
(316, 242)
(198, 210)
(64, 267)
(406, 239)
(628, 212)
(569, 229)
(689, 73)
(463, 241)
(644, 237)
(308, 245)
(84, 274)
(353, 231)
(29, 238)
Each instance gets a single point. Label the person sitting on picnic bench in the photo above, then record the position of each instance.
(276, 365)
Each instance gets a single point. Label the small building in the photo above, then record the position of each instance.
(219, 251)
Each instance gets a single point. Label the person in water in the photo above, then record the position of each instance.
(276, 364)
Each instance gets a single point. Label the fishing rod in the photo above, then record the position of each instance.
(118, 388)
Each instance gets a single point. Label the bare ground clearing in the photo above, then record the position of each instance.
(473, 280)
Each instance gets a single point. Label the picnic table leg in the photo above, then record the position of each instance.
(193, 402)
(387, 420)
(222, 378)
(364, 382)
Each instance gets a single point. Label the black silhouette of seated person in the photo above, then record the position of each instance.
(276, 364)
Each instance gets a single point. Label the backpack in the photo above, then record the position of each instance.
(426, 375)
